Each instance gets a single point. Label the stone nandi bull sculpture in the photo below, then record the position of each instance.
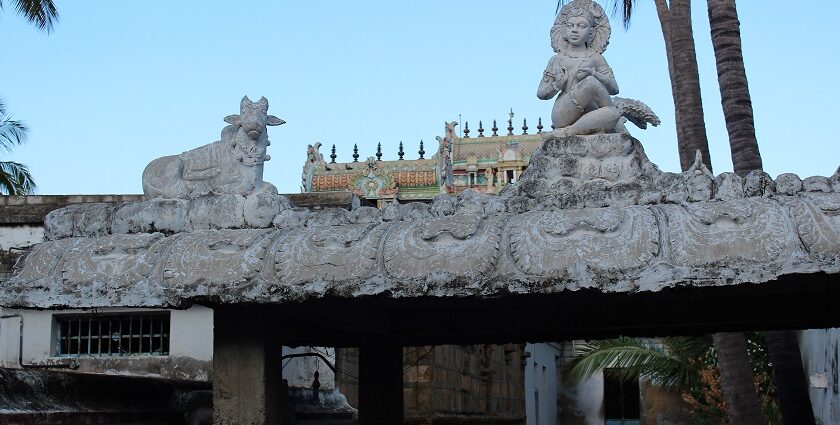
(232, 165)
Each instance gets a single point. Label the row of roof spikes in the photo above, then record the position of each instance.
(421, 152)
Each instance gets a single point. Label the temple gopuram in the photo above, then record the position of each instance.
(485, 163)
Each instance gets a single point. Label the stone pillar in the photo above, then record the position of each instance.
(380, 383)
(247, 379)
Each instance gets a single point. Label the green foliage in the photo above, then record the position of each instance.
(670, 364)
(41, 13)
(15, 178)
(687, 365)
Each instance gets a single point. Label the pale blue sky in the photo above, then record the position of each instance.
(118, 84)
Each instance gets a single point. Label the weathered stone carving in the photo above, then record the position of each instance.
(584, 171)
(444, 248)
(753, 230)
(89, 220)
(327, 253)
(818, 222)
(232, 165)
(582, 77)
(589, 211)
(106, 265)
(42, 261)
(550, 244)
(215, 262)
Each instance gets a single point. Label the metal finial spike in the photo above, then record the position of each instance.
(524, 126)
(495, 129)
(379, 151)
(421, 151)
(539, 125)
(510, 123)
(333, 156)
(467, 130)
(400, 153)
(480, 130)
(355, 153)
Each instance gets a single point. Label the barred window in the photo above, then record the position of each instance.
(113, 335)
(622, 404)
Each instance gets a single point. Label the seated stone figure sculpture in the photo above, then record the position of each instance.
(581, 78)
(232, 165)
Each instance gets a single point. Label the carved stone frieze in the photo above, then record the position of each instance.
(456, 245)
(215, 261)
(753, 230)
(604, 239)
(110, 264)
(327, 253)
(818, 223)
(42, 260)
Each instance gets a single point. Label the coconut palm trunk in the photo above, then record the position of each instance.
(737, 379)
(685, 80)
(675, 21)
(783, 347)
(734, 90)
(789, 377)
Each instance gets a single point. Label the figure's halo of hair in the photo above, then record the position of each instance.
(600, 32)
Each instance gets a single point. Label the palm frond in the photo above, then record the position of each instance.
(631, 358)
(12, 133)
(41, 13)
(15, 179)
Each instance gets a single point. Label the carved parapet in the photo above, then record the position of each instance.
(459, 246)
(256, 210)
(632, 228)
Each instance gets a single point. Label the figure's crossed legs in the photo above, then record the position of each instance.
(586, 109)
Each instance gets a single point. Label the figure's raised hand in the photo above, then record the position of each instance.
(583, 73)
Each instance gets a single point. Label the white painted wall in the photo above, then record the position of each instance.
(20, 236)
(191, 338)
(191, 333)
(820, 350)
(541, 384)
(582, 403)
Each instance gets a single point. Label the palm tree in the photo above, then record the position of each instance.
(737, 379)
(41, 13)
(671, 364)
(788, 373)
(734, 90)
(789, 377)
(14, 177)
(675, 21)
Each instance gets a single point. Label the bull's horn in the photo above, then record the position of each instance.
(263, 101)
(245, 100)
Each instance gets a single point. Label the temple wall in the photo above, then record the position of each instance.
(820, 350)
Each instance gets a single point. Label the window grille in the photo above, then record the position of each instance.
(113, 335)
(622, 405)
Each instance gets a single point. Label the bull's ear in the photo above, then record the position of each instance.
(272, 120)
(233, 119)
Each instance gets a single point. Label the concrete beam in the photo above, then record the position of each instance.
(247, 378)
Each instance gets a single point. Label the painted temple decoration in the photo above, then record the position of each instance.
(484, 164)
